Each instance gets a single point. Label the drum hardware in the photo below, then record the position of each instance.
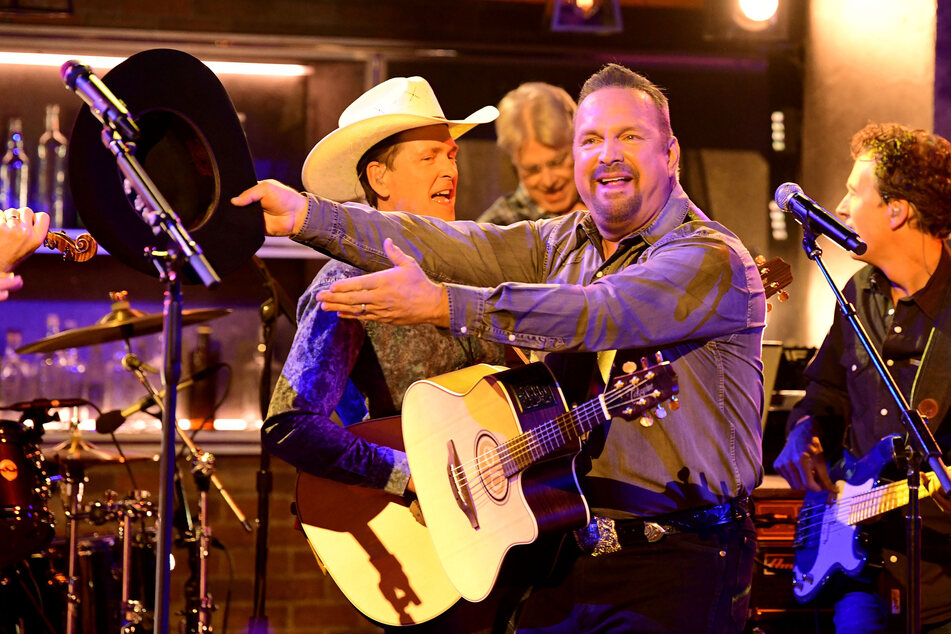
(199, 604)
(125, 511)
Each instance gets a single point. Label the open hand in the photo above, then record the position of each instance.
(401, 295)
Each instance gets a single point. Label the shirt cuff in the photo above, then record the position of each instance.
(399, 477)
(466, 309)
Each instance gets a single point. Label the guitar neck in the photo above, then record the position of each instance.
(884, 498)
(524, 450)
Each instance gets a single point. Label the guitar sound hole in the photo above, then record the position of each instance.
(491, 472)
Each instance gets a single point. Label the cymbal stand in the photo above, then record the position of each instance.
(199, 603)
(75, 488)
(195, 453)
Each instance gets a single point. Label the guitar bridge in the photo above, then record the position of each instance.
(459, 483)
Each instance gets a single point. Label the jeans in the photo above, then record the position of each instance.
(683, 583)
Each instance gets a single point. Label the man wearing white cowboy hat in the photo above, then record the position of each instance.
(21, 233)
(394, 147)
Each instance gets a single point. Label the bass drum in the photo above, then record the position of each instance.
(33, 592)
(26, 523)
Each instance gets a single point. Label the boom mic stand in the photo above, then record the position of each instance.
(921, 443)
(182, 249)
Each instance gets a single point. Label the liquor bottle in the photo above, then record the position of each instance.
(51, 175)
(203, 394)
(13, 370)
(15, 169)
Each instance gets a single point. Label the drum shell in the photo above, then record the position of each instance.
(26, 524)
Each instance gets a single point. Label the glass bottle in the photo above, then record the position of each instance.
(202, 395)
(13, 375)
(51, 175)
(15, 169)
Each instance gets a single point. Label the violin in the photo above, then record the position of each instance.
(79, 250)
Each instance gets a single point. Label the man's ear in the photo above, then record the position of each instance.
(377, 176)
(899, 212)
(673, 155)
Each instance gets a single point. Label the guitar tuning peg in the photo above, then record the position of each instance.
(644, 362)
(674, 403)
(660, 412)
(646, 420)
(659, 357)
(760, 260)
(629, 367)
(782, 295)
(769, 307)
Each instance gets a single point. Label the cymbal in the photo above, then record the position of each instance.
(121, 323)
(81, 453)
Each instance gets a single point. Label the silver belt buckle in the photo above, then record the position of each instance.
(654, 532)
(599, 537)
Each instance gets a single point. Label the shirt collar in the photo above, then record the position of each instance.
(929, 299)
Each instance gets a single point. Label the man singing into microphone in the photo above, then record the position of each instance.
(898, 200)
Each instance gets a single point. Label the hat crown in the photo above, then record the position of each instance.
(411, 96)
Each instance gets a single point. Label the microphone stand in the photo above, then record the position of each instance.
(182, 249)
(276, 304)
(921, 444)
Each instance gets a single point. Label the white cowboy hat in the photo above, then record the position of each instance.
(396, 105)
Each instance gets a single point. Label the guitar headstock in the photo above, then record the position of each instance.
(776, 275)
(640, 393)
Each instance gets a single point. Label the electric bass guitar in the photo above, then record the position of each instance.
(492, 456)
(827, 532)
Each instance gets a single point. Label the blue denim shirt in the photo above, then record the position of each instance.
(684, 286)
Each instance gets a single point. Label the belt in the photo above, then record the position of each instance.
(604, 535)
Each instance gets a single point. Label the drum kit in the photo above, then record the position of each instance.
(82, 583)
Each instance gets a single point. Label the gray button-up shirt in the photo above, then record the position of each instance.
(684, 286)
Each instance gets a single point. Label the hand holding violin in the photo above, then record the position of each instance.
(21, 232)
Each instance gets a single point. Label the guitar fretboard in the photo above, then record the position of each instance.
(881, 499)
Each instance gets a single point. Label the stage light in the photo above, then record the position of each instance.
(752, 20)
(758, 10)
(586, 16)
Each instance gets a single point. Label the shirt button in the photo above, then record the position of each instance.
(463, 330)
(854, 367)
(511, 337)
(897, 330)
(883, 412)
(890, 363)
(891, 311)
(599, 274)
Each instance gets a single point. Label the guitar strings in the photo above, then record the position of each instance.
(560, 429)
(856, 508)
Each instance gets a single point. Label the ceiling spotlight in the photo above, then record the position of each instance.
(755, 15)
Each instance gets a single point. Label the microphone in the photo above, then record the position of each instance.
(104, 105)
(810, 214)
(112, 420)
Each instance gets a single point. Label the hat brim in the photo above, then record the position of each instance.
(330, 169)
(192, 147)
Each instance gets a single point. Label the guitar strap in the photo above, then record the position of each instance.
(931, 390)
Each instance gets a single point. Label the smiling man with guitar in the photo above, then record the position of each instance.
(663, 541)
(898, 200)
